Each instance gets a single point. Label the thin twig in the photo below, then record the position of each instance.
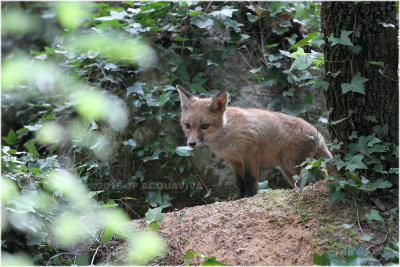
(95, 253)
(358, 218)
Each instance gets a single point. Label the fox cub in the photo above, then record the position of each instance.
(249, 138)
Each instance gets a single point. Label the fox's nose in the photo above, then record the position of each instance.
(192, 143)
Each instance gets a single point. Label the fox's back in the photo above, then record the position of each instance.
(272, 132)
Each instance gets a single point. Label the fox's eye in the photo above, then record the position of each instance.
(187, 125)
(205, 126)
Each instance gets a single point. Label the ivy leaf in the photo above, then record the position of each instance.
(356, 163)
(184, 151)
(335, 193)
(154, 156)
(356, 85)
(153, 216)
(382, 184)
(366, 238)
(374, 215)
(135, 88)
(225, 11)
(191, 255)
(11, 138)
(180, 38)
(212, 262)
(129, 142)
(31, 147)
(355, 49)
(111, 66)
(252, 18)
(319, 82)
(154, 226)
(202, 21)
(263, 187)
(318, 40)
(302, 62)
(320, 260)
(343, 39)
(107, 235)
(304, 41)
(118, 15)
(347, 226)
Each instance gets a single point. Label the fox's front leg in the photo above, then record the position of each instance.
(250, 177)
(246, 174)
(238, 169)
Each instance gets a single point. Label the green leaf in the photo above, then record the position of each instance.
(263, 187)
(35, 171)
(154, 215)
(318, 40)
(255, 70)
(299, 52)
(191, 255)
(184, 151)
(226, 11)
(289, 92)
(154, 226)
(356, 85)
(202, 21)
(212, 262)
(343, 39)
(347, 226)
(382, 184)
(252, 18)
(306, 40)
(31, 147)
(374, 215)
(180, 38)
(302, 62)
(379, 63)
(356, 163)
(371, 118)
(366, 238)
(36, 238)
(321, 260)
(308, 99)
(335, 193)
(107, 236)
(319, 82)
(135, 88)
(355, 49)
(11, 138)
(129, 142)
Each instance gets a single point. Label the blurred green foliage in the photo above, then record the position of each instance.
(81, 86)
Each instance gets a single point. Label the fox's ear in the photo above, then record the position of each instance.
(185, 97)
(219, 102)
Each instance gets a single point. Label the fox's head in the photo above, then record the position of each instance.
(201, 118)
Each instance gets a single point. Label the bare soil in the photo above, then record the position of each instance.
(278, 227)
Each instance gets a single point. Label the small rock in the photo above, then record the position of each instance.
(240, 250)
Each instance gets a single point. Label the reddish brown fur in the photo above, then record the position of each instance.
(250, 138)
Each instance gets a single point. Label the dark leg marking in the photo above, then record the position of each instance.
(240, 184)
(250, 183)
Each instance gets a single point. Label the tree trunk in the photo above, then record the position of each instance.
(371, 30)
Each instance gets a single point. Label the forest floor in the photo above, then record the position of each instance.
(278, 227)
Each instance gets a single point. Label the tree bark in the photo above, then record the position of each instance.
(371, 30)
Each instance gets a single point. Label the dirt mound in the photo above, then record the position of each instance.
(278, 227)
